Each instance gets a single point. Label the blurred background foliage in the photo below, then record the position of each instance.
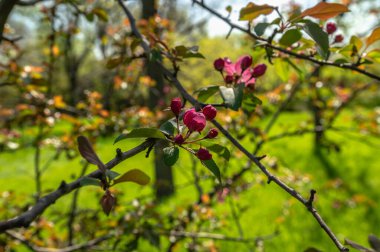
(72, 73)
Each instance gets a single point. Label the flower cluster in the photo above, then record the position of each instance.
(195, 121)
(331, 29)
(239, 72)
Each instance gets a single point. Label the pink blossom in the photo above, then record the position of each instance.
(209, 111)
(195, 121)
(203, 154)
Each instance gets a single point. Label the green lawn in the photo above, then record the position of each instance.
(346, 182)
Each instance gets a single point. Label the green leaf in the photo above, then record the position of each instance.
(205, 93)
(141, 133)
(168, 127)
(134, 175)
(87, 181)
(341, 61)
(250, 103)
(232, 97)
(155, 55)
(213, 167)
(319, 36)
(114, 62)
(112, 174)
(135, 43)
(171, 155)
(252, 11)
(260, 28)
(101, 14)
(221, 150)
(290, 37)
(188, 52)
(357, 43)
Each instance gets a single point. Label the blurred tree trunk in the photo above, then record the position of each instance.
(6, 7)
(317, 105)
(164, 184)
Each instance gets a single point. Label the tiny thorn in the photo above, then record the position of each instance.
(261, 157)
(149, 150)
(119, 153)
(62, 186)
(309, 203)
(269, 180)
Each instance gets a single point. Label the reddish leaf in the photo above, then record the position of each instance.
(375, 36)
(325, 10)
(134, 175)
(252, 11)
(88, 153)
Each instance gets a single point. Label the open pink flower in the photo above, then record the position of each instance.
(239, 72)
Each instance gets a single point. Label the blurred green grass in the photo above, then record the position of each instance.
(346, 182)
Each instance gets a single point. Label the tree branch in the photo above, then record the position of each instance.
(235, 142)
(27, 217)
(85, 245)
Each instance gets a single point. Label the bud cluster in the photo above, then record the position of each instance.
(331, 29)
(195, 121)
(239, 72)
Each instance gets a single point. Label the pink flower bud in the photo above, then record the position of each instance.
(209, 111)
(178, 139)
(176, 106)
(203, 154)
(229, 79)
(259, 70)
(212, 133)
(246, 62)
(219, 64)
(107, 202)
(338, 38)
(195, 121)
(330, 28)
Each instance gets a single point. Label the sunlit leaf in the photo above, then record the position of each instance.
(134, 175)
(232, 97)
(325, 10)
(375, 36)
(252, 11)
(142, 133)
